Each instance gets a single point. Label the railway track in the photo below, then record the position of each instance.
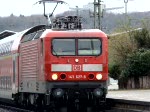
(113, 105)
(120, 105)
(8, 108)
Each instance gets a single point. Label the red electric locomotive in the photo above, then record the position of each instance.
(58, 66)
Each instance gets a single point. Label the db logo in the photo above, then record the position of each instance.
(77, 68)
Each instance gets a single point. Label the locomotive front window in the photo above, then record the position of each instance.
(78, 47)
(63, 47)
(90, 47)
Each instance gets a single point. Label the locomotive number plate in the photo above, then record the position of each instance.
(77, 76)
(77, 67)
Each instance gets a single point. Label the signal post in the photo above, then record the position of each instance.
(97, 5)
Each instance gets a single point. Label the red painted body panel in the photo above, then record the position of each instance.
(50, 59)
(31, 61)
(6, 70)
(9, 72)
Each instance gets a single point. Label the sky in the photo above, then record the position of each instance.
(28, 7)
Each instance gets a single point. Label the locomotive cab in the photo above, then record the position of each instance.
(76, 65)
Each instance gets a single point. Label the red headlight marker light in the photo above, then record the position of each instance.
(91, 76)
(63, 76)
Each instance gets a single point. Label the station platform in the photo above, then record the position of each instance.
(131, 95)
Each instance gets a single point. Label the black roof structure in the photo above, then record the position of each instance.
(6, 33)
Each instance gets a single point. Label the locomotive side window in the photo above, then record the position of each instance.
(28, 37)
(90, 47)
(63, 47)
(32, 36)
(38, 34)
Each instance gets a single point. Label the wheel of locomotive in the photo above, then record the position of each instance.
(32, 99)
(22, 100)
(40, 102)
(28, 102)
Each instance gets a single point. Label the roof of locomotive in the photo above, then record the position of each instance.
(48, 31)
(16, 37)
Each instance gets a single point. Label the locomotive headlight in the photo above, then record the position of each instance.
(99, 76)
(54, 76)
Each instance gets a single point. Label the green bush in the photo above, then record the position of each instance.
(114, 71)
(142, 38)
(131, 52)
(137, 64)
